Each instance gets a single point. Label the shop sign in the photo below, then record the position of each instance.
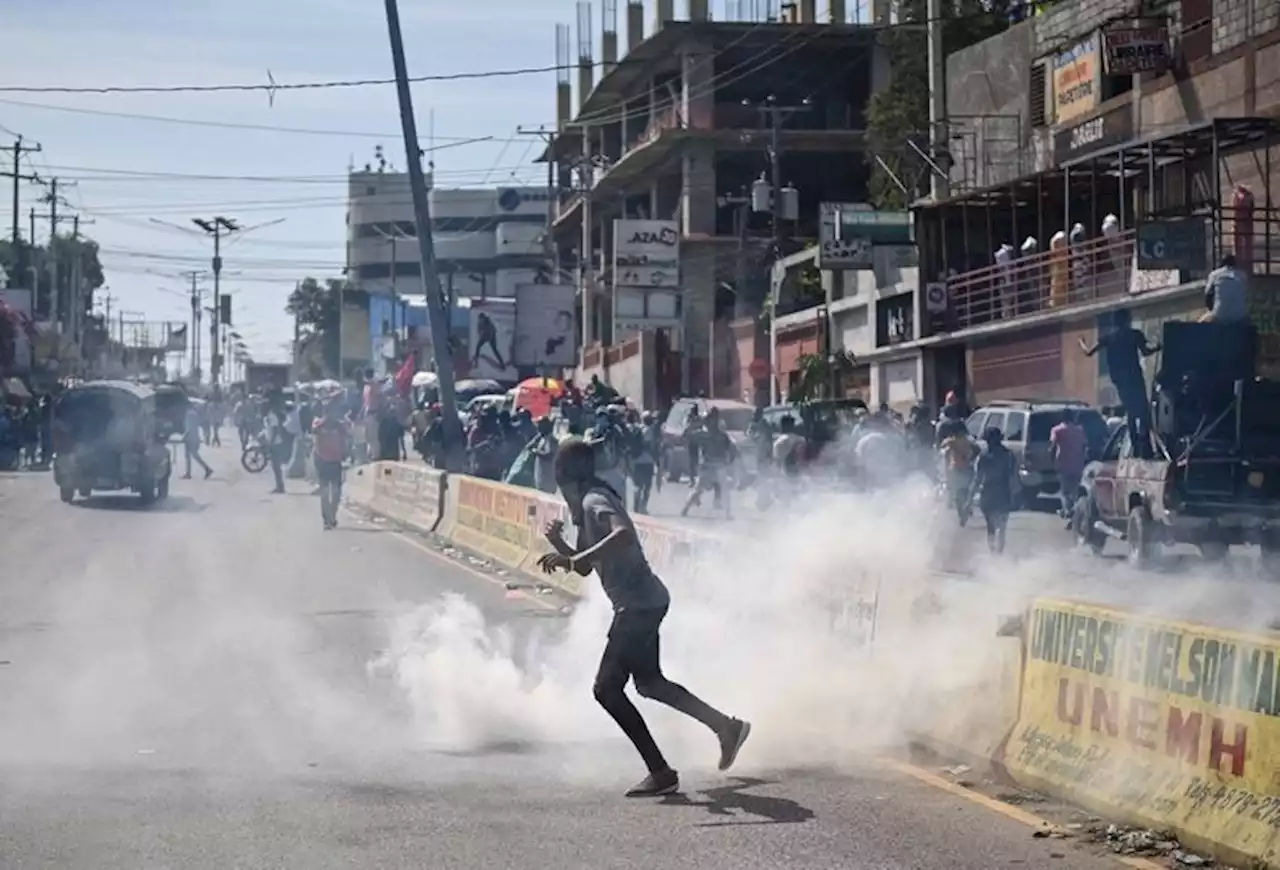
(1076, 79)
(1133, 50)
(1096, 134)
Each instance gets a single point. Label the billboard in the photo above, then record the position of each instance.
(545, 319)
(491, 344)
(1077, 79)
(646, 253)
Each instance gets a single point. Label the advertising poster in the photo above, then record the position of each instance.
(492, 340)
(1076, 80)
(646, 253)
(545, 321)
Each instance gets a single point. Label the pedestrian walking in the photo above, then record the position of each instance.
(331, 437)
(192, 439)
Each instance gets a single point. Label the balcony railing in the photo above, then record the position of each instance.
(1087, 272)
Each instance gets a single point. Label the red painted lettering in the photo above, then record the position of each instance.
(1218, 748)
(1076, 714)
(1182, 736)
(1140, 730)
(1106, 712)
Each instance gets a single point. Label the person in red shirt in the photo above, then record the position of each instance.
(332, 434)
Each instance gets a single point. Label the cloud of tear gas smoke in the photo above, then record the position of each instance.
(774, 631)
(205, 668)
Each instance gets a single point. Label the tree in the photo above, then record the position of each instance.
(818, 376)
(21, 260)
(900, 112)
(318, 310)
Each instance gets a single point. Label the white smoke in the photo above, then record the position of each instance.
(771, 632)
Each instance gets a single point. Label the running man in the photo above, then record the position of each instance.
(332, 435)
(608, 544)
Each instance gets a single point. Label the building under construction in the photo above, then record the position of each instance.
(719, 137)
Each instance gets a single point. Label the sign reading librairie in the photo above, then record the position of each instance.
(1133, 50)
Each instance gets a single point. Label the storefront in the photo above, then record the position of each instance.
(1027, 364)
(898, 382)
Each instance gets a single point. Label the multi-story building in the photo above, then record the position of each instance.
(487, 242)
(1104, 154)
(674, 135)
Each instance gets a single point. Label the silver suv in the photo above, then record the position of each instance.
(1026, 424)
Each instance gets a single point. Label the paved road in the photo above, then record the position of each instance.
(190, 686)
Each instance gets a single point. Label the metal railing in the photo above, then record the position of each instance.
(1087, 272)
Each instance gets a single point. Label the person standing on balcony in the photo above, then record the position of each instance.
(1124, 349)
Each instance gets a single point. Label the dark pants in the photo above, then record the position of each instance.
(632, 653)
(1068, 488)
(1137, 410)
(642, 477)
(997, 517)
(279, 454)
(329, 475)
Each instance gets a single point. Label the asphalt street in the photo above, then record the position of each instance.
(189, 686)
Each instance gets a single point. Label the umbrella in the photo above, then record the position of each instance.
(551, 385)
(472, 387)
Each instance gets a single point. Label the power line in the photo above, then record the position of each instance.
(207, 122)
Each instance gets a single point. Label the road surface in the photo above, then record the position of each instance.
(190, 686)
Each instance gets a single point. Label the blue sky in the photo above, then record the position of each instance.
(79, 43)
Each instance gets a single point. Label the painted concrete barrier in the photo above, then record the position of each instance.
(1169, 725)
(409, 494)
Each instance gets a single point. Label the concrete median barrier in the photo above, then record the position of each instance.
(1165, 724)
(411, 495)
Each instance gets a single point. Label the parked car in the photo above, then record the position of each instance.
(1026, 424)
(734, 416)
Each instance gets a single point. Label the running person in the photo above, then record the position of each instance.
(608, 544)
(332, 435)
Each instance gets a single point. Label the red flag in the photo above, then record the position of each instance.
(404, 377)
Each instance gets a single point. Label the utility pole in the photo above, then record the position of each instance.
(54, 199)
(940, 183)
(217, 227)
(18, 150)
(194, 275)
(76, 314)
(437, 312)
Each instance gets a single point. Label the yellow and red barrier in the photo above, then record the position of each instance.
(1168, 724)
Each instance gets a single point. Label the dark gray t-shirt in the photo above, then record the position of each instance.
(625, 575)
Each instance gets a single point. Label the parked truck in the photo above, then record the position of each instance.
(266, 377)
(1210, 476)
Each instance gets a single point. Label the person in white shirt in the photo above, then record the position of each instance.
(1226, 293)
(191, 437)
(788, 450)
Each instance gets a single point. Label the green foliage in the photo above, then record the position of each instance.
(318, 309)
(18, 262)
(818, 374)
(901, 111)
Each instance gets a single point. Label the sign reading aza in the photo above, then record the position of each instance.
(667, 237)
(646, 253)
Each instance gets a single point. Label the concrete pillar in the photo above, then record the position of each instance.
(698, 197)
(697, 95)
(635, 25)
(586, 276)
(807, 12)
(665, 11)
(837, 12)
(699, 10)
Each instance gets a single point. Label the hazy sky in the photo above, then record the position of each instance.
(130, 171)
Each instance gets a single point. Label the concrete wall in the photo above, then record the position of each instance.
(987, 86)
